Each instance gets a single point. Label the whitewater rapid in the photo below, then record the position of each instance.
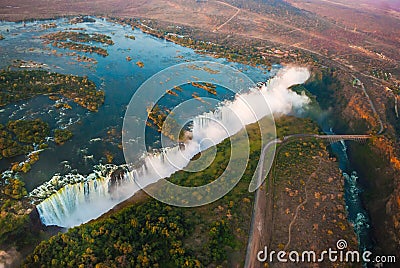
(71, 200)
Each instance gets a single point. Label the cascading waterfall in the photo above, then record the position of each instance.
(68, 199)
(86, 198)
(83, 200)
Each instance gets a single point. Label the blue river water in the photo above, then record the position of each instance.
(94, 133)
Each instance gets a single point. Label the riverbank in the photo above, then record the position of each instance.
(379, 180)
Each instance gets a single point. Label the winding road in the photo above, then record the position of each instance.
(231, 18)
(299, 206)
(372, 106)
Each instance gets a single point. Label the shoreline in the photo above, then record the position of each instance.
(136, 22)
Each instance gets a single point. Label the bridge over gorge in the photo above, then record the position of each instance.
(330, 138)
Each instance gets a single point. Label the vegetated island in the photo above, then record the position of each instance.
(210, 87)
(79, 37)
(49, 25)
(19, 85)
(73, 41)
(62, 135)
(19, 137)
(27, 137)
(130, 37)
(140, 64)
(81, 19)
(157, 120)
(28, 64)
(171, 92)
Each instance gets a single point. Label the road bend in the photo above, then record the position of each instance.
(231, 18)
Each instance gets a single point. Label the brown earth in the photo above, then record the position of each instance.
(308, 206)
(335, 35)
